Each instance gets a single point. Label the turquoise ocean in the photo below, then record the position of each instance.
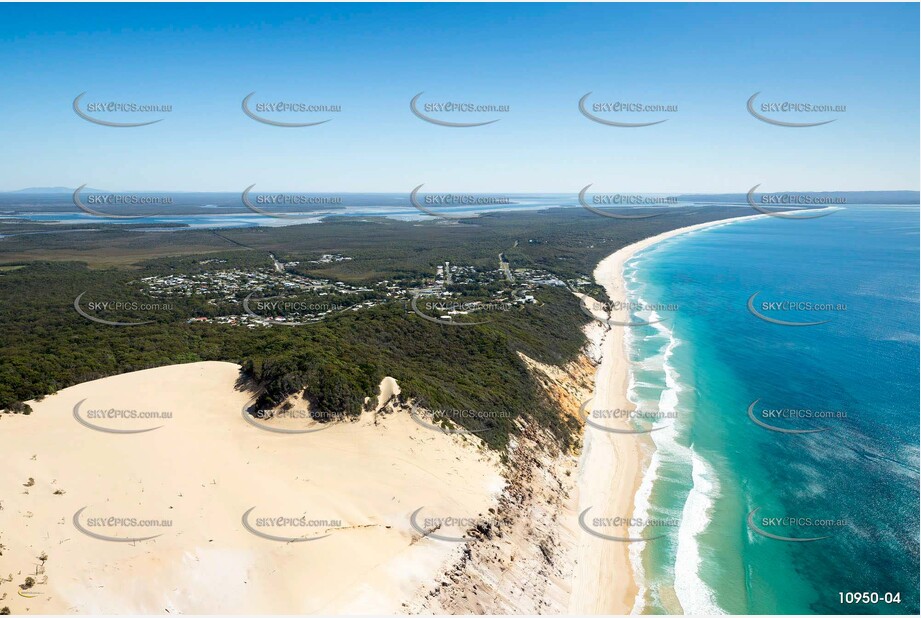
(796, 520)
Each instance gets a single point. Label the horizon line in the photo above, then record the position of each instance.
(61, 189)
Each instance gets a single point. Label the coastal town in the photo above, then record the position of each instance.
(281, 295)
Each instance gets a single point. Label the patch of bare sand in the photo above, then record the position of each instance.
(201, 470)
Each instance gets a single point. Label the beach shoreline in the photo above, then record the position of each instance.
(612, 465)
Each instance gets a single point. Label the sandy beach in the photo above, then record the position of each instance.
(244, 520)
(612, 464)
(287, 515)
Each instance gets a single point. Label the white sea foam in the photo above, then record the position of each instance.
(664, 440)
(654, 363)
(641, 508)
(695, 596)
(641, 501)
(693, 593)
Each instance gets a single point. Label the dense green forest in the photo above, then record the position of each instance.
(47, 345)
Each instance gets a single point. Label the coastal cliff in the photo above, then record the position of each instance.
(523, 558)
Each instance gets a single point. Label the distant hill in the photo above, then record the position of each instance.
(852, 197)
(52, 190)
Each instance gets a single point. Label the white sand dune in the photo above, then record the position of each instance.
(612, 464)
(202, 470)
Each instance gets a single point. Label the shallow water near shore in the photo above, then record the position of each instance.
(854, 482)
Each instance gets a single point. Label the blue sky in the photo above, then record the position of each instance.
(538, 59)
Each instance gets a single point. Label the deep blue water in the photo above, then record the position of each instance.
(861, 472)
